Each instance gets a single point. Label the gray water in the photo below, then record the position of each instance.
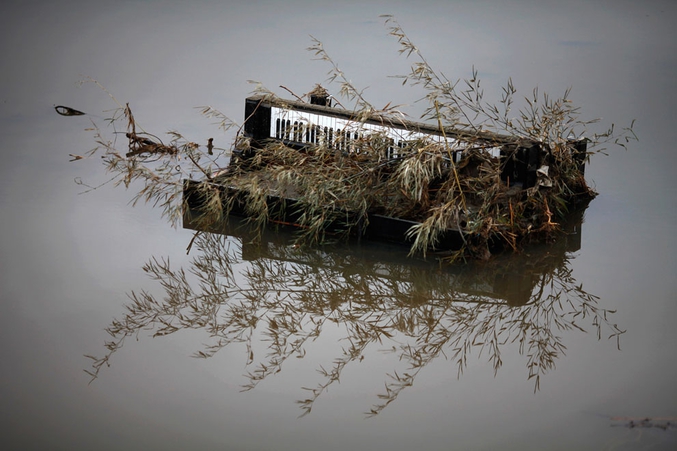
(69, 260)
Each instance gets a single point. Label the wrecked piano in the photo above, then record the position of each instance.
(376, 146)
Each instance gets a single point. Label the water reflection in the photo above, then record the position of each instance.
(244, 289)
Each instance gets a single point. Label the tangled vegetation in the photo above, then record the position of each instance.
(285, 300)
(425, 183)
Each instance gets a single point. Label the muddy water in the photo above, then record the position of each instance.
(365, 314)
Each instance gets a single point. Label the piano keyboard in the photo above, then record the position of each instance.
(302, 127)
(299, 124)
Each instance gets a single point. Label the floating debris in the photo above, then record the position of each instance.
(471, 180)
(67, 111)
(663, 423)
(332, 173)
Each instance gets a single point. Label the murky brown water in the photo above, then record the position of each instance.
(380, 328)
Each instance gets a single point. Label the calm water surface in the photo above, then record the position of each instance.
(69, 260)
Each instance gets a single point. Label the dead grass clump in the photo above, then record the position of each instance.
(339, 190)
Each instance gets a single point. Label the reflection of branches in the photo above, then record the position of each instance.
(286, 297)
(557, 305)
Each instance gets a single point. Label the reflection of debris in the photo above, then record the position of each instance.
(67, 111)
(663, 423)
(424, 311)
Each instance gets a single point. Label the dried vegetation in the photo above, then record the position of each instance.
(288, 302)
(423, 183)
